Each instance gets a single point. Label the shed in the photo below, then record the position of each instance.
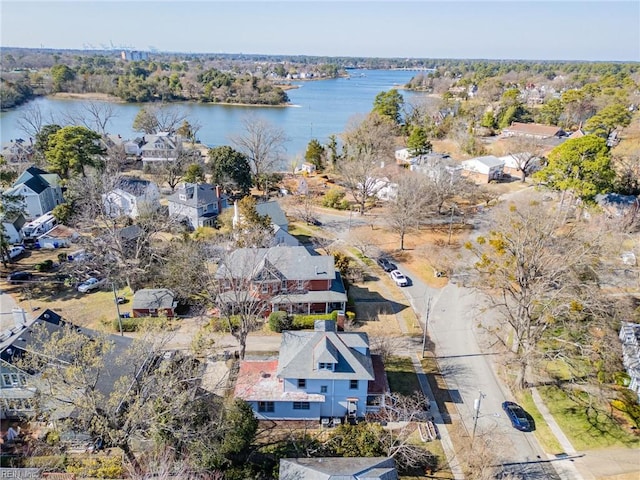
(59, 236)
(151, 302)
(485, 168)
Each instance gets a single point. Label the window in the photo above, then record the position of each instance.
(300, 285)
(265, 288)
(284, 286)
(323, 389)
(353, 384)
(302, 383)
(266, 406)
(325, 366)
(301, 405)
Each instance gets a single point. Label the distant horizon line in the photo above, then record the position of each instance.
(168, 52)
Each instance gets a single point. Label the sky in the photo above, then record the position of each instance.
(605, 30)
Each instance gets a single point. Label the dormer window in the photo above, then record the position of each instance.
(183, 197)
(325, 366)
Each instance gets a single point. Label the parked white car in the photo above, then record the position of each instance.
(15, 252)
(89, 285)
(399, 278)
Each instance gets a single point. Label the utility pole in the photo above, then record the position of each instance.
(426, 325)
(476, 406)
(453, 207)
(115, 299)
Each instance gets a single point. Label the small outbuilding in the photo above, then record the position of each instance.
(152, 302)
(58, 237)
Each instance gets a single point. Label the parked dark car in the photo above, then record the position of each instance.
(17, 277)
(519, 418)
(386, 265)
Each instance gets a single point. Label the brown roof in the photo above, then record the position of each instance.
(380, 385)
(61, 231)
(532, 129)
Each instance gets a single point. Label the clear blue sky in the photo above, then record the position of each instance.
(551, 30)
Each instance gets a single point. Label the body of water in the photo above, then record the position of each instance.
(319, 109)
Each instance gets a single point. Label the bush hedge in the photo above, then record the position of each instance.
(279, 321)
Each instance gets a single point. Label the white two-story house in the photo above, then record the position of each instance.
(130, 197)
(198, 204)
(41, 191)
(320, 374)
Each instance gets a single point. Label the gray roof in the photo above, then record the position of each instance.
(291, 263)
(338, 468)
(153, 298)
(133, 185)
(295, 360)
(274, 211)
(488, 160)
(194, 195)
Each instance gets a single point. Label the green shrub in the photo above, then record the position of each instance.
(351, 316)
(221, 324)
(97, 467)
(48, 462)
(279, 321)
(44, 266)
(128, 324)
(302, 322)
(333, 198)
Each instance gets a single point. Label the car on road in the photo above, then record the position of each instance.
(518, 417)
(15, 252)
(398, 277)
(18, 277)
(89, 285)
(386, 265)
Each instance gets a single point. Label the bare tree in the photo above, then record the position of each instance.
(533, 267)
(410, 206)
(246, 281)
(262, 143)
(31, 120)
(526, 153)
(92, 115)
(368, 143)
(163, 118)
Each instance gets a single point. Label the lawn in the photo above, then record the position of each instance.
(543, 433)
(585, 420)
(401, 375)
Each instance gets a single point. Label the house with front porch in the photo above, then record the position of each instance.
(319, 375)
(197, 204)
(130, 197)
(283, 278)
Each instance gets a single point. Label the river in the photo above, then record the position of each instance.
(318, 109)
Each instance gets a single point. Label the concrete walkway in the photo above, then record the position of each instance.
(445, 439)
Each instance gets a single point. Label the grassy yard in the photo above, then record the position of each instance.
(586, 421)
(543, 433)
(401, 375)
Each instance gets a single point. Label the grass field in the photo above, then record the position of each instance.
(586, 421)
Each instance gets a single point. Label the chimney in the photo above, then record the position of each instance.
(340, 320)
(324, 326)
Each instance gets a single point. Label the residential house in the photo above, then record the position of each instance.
(513, 161)
(385, 189)
(275, 212)
(319, 374)
(12, 226)
(132, 148)
(198, 204)
(41, 191)
(130, 197)
(616, 205)
(338, 468)
(17, 151)
(306, 168)
(435, 165)
(20, 388)
(284, 278)
(630, 337)
(152, 302)
(533, 130)
(161, 147)
(58, 237)
(483, 169)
